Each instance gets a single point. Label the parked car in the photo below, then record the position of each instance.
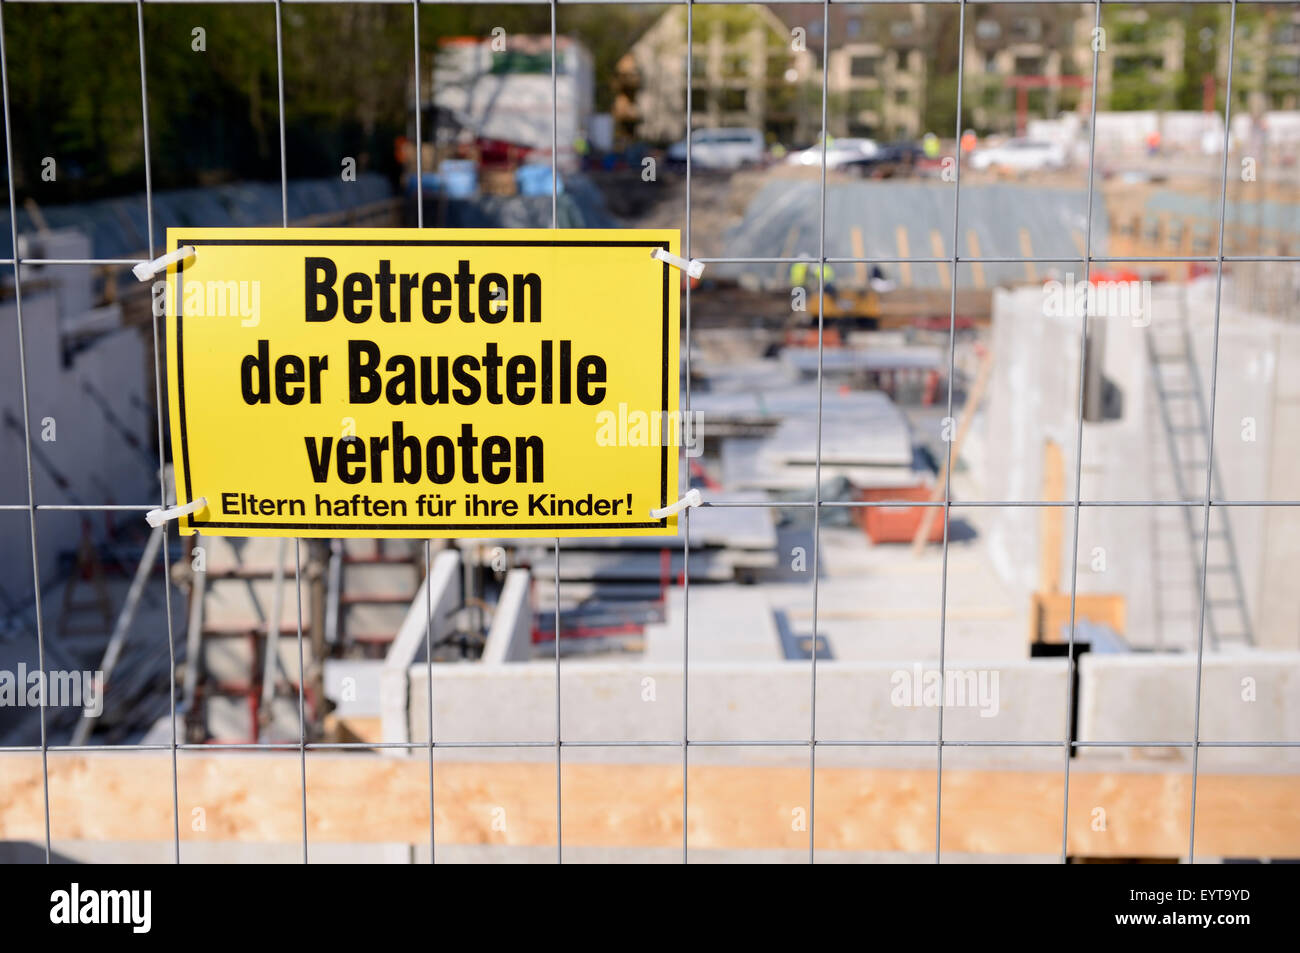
(1020, 155)
(841, 153)
(720, 149)
(895, 158)
(1212, 142)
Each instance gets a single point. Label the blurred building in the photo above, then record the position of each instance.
(876, 79)
(1024, 60)
(1266, 67)
(892, 68)
(1143, 63)
(745, 73)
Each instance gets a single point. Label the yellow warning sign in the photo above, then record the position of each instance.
(400, 382)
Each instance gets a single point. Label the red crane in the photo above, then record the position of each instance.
(1023, 84)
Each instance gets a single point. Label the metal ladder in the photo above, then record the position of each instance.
(1181, 400)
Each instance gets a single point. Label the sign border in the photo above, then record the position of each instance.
(194, 524)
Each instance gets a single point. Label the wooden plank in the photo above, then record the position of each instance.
(1027, 250)
(940, 482)
(904, 267)
(904, 306)
(354, 728)
(1050, 613)
(363, 798)
(936, 249)
(861, 276)
(976, 267)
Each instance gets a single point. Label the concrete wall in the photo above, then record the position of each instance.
(510, 638)
(1253, 697)
(1122, 698)
(1146, 553)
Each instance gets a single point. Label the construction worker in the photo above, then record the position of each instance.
(930, 145)
(799, 274)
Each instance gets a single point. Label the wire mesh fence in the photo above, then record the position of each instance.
(1204, 499)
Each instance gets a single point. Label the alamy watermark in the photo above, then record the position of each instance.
(1112, 299)
(919, 687)
(655, 428)
(61, 689)
(215, 299)
(133, 908)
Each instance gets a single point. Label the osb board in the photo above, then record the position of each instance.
(365, 798)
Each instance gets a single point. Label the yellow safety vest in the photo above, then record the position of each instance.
(799, 273)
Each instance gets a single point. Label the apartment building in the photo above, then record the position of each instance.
(1142, 63)
(876, 80)
(1024, 60)
(745, 71)
(891, 68)
(1266, 60)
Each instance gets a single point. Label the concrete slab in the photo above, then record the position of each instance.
(727, 622)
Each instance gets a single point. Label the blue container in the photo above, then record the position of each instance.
(429, 182)
(459, 178)
(534, 178)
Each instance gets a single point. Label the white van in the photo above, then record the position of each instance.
(720, 148)
(1020, 155)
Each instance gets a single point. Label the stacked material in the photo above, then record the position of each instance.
(614, 586)
(727, 542)
(864, 439)
(847, 361)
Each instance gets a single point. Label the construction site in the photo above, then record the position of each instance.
(996, 510)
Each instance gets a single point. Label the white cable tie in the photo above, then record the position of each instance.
(694, 267)
(147, 269)
(157, 517)
(692, 498)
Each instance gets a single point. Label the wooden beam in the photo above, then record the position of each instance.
(862, 277)
(936, 249)
(904, 267)
(976, 267)
(363, 798)
(1049, 614)
(931, 513)
(1027, 250)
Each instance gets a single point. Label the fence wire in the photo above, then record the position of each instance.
(685, 742)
